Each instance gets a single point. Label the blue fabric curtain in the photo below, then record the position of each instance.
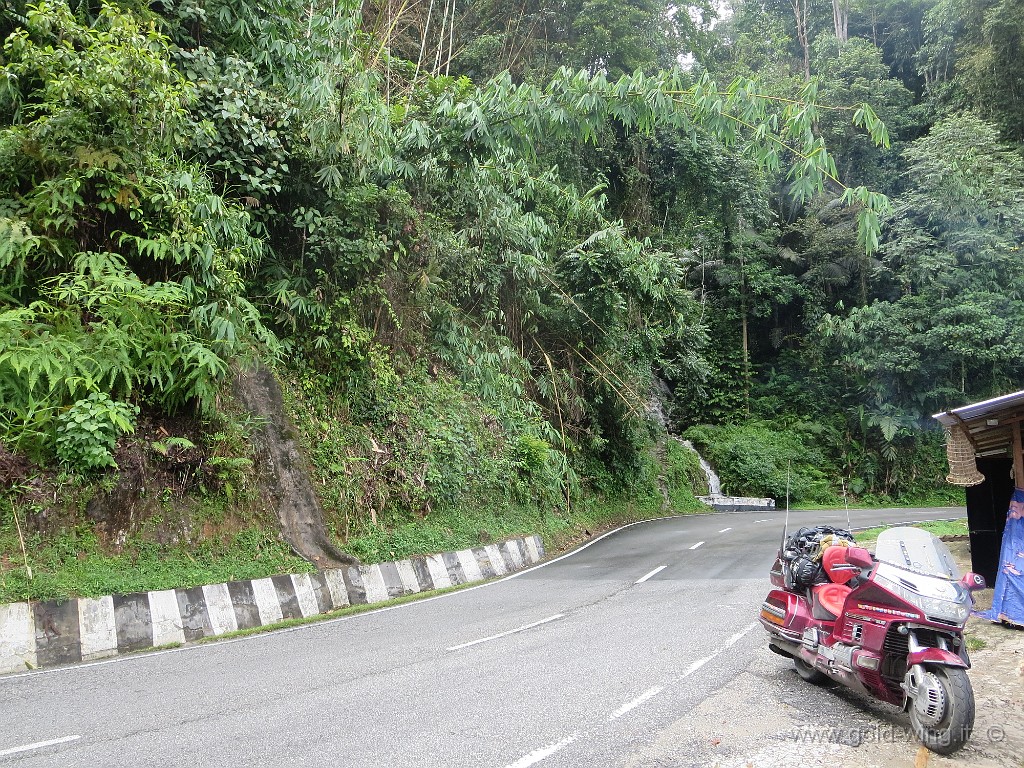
(1008, 600)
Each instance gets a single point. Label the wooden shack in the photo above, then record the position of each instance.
(992, 429)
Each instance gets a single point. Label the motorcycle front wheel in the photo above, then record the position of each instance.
(942, 713)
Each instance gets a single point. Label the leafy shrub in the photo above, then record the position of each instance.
(88, 431)
(229, 472)
(172, 444)
(684, 477)
(530, 454)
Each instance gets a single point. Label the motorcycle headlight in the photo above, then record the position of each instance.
(944, 610)
(956, 609)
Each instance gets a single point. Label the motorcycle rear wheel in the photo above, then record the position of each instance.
(957, 722)
(810, 674)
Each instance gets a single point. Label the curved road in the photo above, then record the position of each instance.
(588, 659)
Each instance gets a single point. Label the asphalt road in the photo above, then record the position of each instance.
(588, 659)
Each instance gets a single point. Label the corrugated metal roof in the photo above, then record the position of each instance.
(988, 423)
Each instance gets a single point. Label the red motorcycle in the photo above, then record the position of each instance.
(890, 626)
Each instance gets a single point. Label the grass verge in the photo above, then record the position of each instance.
(214, 542)
(938, 527)
(75, 563)
(974, 643)
(450, 531)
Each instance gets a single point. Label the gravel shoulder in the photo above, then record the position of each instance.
(769, 717)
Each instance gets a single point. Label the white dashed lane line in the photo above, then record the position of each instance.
(539, 754)
(697, 545)
(657, 570)
(648, 694)
(544, 752)
(506, 634)
(724, 647)
(38, 745)
(725, 529)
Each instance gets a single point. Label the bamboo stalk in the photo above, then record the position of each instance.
(423, 46)
(24, 552)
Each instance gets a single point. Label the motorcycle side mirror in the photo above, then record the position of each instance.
(973, 581)
(859, 557)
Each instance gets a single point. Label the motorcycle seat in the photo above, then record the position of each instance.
(837, 565)
(828, 600)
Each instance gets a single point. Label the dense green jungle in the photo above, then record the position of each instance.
(501, 257)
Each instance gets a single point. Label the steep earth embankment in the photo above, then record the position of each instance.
(284, 474)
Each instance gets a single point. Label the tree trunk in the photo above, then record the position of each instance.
(744, 329)
(800, 14)
(841, 18)
(865, 265)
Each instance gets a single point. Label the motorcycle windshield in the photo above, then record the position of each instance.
(913, 549)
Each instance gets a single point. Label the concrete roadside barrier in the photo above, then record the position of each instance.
(53, 633)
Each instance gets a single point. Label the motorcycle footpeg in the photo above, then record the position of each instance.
(810, 638)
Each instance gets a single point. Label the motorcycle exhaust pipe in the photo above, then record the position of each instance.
(782, 650)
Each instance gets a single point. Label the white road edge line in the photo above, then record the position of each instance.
(506, 634)
(697, 545)
(725, 529)
(656, 571)
(38, 745)
(648, 694)
(539, 754)
(263, 636)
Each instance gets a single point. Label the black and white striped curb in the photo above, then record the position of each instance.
(46, 634)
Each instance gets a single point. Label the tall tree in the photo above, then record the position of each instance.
(953, 329)
(841, 19)
(992, 63)
(802, 18)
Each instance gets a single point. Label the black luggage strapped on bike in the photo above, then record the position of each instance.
(801, 557)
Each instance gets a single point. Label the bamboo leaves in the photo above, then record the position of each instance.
(501, 115)
(864, 117)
